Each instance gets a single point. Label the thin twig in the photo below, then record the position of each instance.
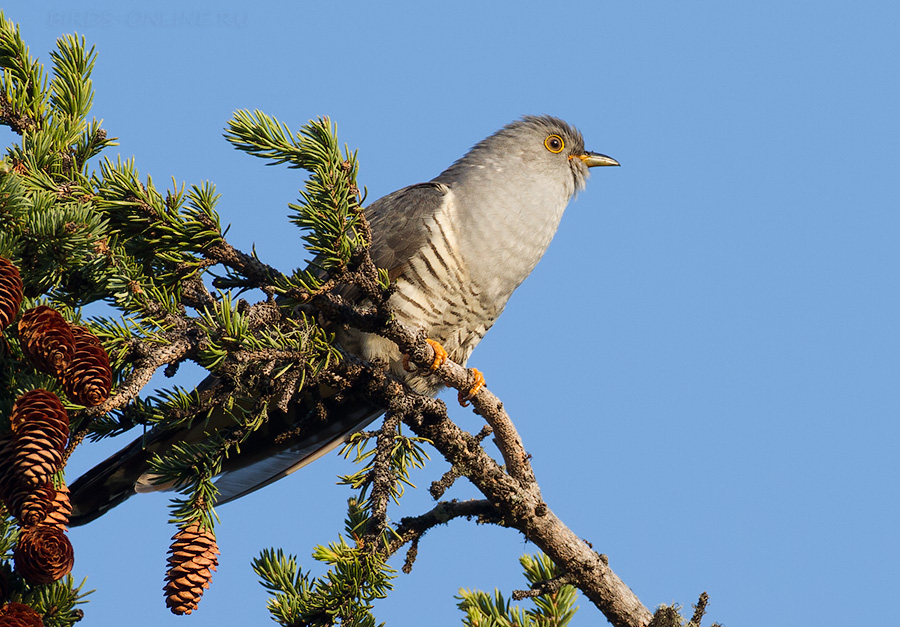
(699, 610)
(382, 476)
(548, 586)
(411, 529)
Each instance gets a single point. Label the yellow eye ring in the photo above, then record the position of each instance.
(554, 143)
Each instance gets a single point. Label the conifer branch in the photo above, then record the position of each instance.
(85, 230)
(412, 528)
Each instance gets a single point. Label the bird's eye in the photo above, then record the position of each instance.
(554, 143)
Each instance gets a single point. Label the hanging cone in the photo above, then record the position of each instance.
(88, 378)
(192, 558)
(40, 409)
(19, 615)
(60, 509)
(46, 339)
(31, 506)
(41, 428)
(43, 555)
(83, 335)
(34, 461)
(10, 292)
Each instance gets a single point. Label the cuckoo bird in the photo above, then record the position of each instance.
(457, 247)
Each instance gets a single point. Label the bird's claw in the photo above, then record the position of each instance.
(440, 355)
(477, 384)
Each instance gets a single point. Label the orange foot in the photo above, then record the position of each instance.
(478, 383)
(440, 356)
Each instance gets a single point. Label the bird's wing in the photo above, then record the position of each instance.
(399, 224)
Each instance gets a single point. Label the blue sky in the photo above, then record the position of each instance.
(705, 364)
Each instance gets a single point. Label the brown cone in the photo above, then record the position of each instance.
(43, 555)
(10, 292)
(19, 615)
(192, 558)
(35, 460)
(60, 509)
(83, 335)
(46, 339)
(31, 506)
(40, 409)
(88, 378)
(41, 428)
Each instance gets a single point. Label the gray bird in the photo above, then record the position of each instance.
(457, 247)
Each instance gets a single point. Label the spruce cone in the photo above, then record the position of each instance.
(46, 339)
(10, 292)
(60, 509)
(192, 558)
(40, 409)
(35, 461)
(83, 335)
(43, 555)
(41, 428)
(19, 615)
(88, 378)
(32, 505)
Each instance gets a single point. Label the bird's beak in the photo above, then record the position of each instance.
(594, 159)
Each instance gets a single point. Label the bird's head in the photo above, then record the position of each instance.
(533, 148)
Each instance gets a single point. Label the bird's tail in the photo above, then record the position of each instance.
(283, 445)
(108, 484)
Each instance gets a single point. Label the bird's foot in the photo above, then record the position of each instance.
(477, 384)
(440, 356)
